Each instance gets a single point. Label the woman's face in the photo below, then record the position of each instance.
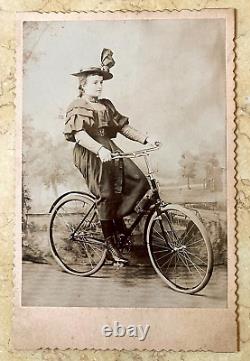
(93, 86)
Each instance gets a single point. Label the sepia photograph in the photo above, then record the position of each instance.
(124, 163)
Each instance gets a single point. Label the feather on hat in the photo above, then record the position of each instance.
(107, 62)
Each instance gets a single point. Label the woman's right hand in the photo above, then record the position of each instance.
(104, 154)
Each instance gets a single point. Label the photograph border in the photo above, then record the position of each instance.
(43, 327)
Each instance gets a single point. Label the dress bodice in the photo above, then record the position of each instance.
(91, 116)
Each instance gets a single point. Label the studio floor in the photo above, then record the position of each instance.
(130, 286)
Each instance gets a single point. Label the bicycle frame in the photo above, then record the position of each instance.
(155, 198)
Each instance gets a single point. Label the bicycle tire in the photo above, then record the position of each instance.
(84, 245)
(170, 243)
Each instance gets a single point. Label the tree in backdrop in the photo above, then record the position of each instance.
(213, 171)
(204, 167)
(48, 163)
(26, 204)
(188, 167)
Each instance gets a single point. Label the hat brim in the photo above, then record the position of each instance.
(95, 71)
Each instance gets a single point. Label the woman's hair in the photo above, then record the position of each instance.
(82, 82)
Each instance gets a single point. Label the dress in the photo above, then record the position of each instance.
(117, 185)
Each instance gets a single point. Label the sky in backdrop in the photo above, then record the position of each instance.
(169, 79)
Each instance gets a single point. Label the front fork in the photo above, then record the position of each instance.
(158, 208)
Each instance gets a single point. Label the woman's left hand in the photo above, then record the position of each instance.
(153, 141)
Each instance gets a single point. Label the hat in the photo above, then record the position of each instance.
(107, 62)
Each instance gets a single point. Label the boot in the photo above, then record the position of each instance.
(109, 235)
(120, 226)
(115, 253)
(121, 232)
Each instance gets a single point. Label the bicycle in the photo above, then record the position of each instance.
(177, 242)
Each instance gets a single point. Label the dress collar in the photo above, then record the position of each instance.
(91, 99)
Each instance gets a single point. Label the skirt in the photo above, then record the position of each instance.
(117, 185)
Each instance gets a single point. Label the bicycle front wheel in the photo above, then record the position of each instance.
(179, 249)
(76, 239)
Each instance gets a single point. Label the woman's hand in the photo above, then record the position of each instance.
(153, 141)
(104, 154)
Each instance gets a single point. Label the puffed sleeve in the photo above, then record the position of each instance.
(119, 120)
(77, 118)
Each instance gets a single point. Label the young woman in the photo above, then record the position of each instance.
(92, 122)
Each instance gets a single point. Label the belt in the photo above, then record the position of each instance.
(103, 132)
(108, 132)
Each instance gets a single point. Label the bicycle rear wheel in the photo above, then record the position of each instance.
(76, 239)
(180, 249)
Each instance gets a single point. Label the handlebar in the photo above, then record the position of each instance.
(135, 154)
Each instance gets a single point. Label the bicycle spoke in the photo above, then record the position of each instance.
(170, 233)
(166, 262)
(89, 257)
(188, 231)
(195, 242)
(159, 239)
(196, 266)
(95, 253)
(188, 274)
(175, 266)
(169, 263)
(163, 256)
(160, 251)
(161, 236)
(94, 241)
(157, 244)
(95, 249)
(184, 262)
(196, 257)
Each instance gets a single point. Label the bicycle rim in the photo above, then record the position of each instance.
(76, 239)
(180, 249)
